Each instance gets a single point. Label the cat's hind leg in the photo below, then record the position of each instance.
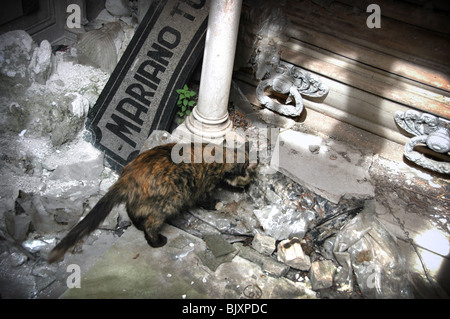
(143, 220)
(152, 226)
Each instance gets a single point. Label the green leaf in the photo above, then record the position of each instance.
(182, 97)
(183, 108)
(188, 112)
(180, 114)
(180, 102)
(191, 103)
(186, 88)
(180, 91)
(185, 102)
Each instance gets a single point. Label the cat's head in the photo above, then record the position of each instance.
(243, 170)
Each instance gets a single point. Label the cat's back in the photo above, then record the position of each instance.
(155, 172)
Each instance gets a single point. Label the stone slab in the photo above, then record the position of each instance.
(331, 169)
(219, 246)
(140, 95)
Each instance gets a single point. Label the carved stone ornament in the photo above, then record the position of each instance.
(282, 78)
(430, 130)
(291, 81)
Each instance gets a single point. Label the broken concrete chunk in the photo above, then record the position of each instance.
(290, 252)
(41, 63)
(267, 264)
(18, 258)
(281, 223)
(16, 49)
(17, 226)
(321, 274)
(79, 106)
(264, 244)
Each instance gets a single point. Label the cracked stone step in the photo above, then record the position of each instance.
(331, 169)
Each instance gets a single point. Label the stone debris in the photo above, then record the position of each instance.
(292, 222)
(366, 249)
(41, 64)
(264, 244)
(16, 50)
(321, 274)
(80, 105)
(224, 222)
(18, 226)
(267, 264)
(290, 252)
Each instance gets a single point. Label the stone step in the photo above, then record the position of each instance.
(331, 169)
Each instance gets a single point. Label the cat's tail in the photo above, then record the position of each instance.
(88, 224)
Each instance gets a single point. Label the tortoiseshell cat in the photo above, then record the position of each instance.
(155, 188)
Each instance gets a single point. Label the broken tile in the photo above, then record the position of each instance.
(219, 246)
(290, 252)
(321, 274)
(264, 244)
(212, 262)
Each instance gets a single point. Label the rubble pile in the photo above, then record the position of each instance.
(303, 237)
(51, 176)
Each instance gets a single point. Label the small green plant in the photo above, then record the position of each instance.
(185, 101)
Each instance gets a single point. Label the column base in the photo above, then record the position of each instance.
(207, 128)
(194, 130)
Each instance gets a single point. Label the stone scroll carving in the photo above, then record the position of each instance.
(291, 81)
(430, 130)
